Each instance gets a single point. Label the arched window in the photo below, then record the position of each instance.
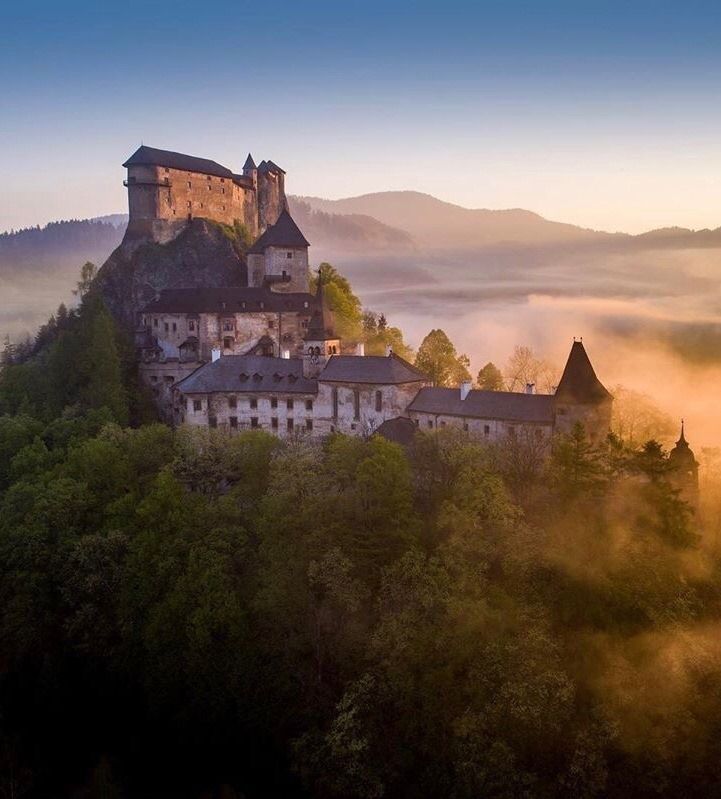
(317, 351)
(310, 350)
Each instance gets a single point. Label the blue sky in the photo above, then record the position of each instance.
(603, 114)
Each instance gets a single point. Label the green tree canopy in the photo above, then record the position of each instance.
(437, 357)
(490, 378)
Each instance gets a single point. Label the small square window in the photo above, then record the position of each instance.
(253, 403)
(289, 255)
(271, 324)
(166, 170)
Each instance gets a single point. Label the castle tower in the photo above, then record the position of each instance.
(250, 170)
(279, 258)
(683, 469)
(320, 340)
(581, 397)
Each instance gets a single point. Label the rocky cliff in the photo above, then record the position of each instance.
(205, 254)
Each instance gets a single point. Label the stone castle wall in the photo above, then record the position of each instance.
(162, 199)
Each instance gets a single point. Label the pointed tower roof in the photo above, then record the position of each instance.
(284, 233)
(579, 382)
(249, 163)
(321, 326)
(682, 455)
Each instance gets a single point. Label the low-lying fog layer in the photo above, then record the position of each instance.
(651, 320)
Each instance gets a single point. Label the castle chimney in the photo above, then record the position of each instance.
(530, 388)
(465, 389)
(360, 348)
(214, 355)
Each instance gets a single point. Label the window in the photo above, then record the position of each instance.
(166, 170)
(228, 343)
(197, 405)
(465, 426)
(253, 403)
(271, 324)
(232, 402)
(233, 420)
(212, 421)
(304, 324)
(175, 327)
(154, 378)
(289, 254)
(308, 424)
(443, 424)
(222, 191)
(189, 186)
(169, 379)
(305, 303)
(274, 423)
(334, 396)
(309, 405)
(189, 205)
(289, 404)
(155, 322)
(356, 404)
(191, 325)
(290, 425)
(167, 326)
(379, 401)
(511, 431)
(210, 188)
(274, 402)
(486, 430)
(430, 423)
(254, 421)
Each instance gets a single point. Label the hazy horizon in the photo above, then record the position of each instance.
(606, 117)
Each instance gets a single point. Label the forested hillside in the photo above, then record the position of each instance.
(184, 614)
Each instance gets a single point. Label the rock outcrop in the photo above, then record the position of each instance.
(205, 254)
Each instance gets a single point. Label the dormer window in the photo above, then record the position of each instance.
(257, 377)
(243, 377)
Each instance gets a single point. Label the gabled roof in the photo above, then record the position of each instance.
(249, 162)
(380, 369)
(579, 382)
(284, 233)
(230, 301)
(249, 374)
(269, 166)
(504, 405)
(150, 156)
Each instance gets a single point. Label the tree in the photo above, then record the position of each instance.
(525, 368)
(346, 307)
(490, 378)
(379, 337)
(87, 274)
(437, 357)
(637, 419)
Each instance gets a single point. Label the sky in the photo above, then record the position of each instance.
(603, 114)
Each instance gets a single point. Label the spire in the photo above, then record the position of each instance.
(322, 324)
(682, 440)
(249, 163)
(579, 383)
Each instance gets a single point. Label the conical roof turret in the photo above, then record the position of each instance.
(249, 163)
(579, 383)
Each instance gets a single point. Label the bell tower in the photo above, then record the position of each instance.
(320, 340)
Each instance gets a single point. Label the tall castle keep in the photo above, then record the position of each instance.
(166, 189)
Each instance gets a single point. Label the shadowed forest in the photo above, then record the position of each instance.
(186, 614)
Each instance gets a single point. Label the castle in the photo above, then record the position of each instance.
(166, 189)
(266, 355)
